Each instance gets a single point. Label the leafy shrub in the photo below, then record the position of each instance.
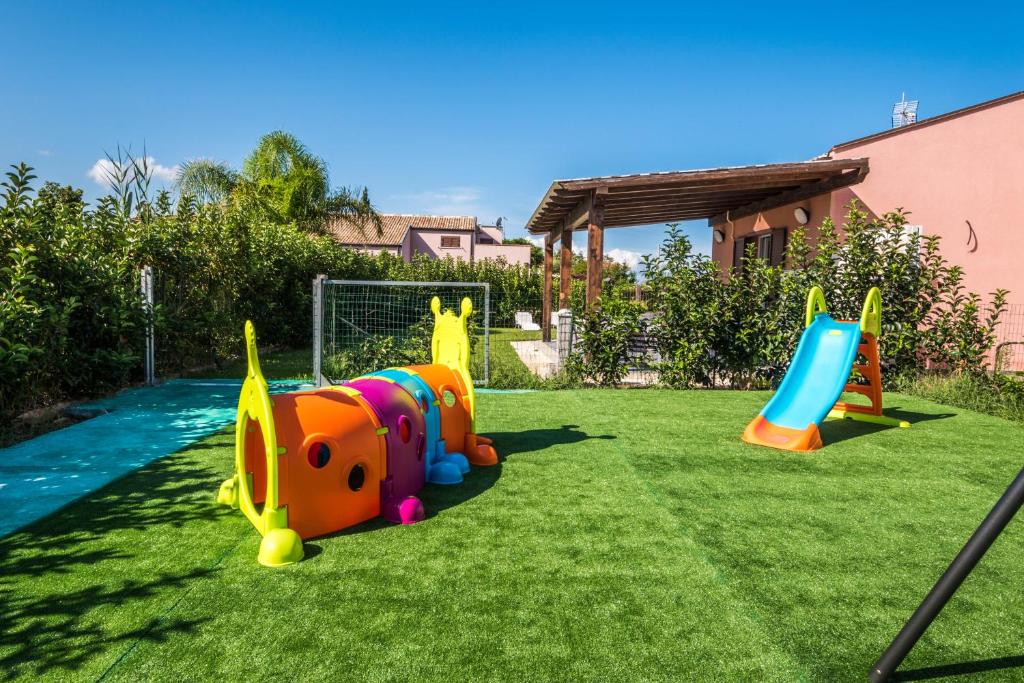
(603, 352)
(71, 316)
(740, 328)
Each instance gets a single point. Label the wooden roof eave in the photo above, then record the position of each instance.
(687, 195)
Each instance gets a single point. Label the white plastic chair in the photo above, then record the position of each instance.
(524, 321)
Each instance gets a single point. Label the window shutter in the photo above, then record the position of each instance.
(737, 252)
(778, 247)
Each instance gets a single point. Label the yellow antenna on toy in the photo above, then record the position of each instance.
(449, 345)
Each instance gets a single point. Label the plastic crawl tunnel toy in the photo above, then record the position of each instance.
(819, 374)
(310, 463)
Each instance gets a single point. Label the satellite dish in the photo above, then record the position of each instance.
(904, 113)
(497, 223)
(802, 215)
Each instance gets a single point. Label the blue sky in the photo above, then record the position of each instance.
(475, 108)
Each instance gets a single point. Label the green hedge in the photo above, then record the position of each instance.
(740, 328)
(71, 319)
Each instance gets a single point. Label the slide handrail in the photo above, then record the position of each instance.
(815, 305)
(871, 313)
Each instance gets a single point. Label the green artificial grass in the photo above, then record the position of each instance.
(627, 535)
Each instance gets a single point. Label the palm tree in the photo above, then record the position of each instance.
(207, 181)
(281, 171)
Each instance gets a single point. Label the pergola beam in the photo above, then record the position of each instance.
(580, 212)
(697, 199)
(797, 195)
(754, 172)
(632, 200)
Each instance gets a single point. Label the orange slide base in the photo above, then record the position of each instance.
(763, 433)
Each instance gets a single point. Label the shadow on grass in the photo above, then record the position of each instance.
(531, 440)
(962, 669)
(834, 431)
(436, 498)
(46, 626)
(47, 632)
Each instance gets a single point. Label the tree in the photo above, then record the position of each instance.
(283, 175)
(207, 181)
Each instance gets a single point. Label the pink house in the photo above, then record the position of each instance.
(406, 235)
(958, 174)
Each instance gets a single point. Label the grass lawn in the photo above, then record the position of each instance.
(626, 535)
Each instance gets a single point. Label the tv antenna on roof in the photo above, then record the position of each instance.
(904, 113)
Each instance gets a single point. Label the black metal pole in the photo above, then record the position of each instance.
(943, 590)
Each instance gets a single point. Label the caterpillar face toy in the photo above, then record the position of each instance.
(322, 460)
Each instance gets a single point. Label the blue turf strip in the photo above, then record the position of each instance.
(43, 474)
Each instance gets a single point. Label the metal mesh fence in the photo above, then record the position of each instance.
(1009, 351)
(362, 326)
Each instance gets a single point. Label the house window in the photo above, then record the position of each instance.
(770, 246)
(450, 243)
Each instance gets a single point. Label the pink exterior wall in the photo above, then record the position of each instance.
(406, 248)
(964, 168)
(782, 217)
(514, 254)
(967, 168)
(429, 242)
(492, 232)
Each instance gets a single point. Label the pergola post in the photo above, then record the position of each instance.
(595, 253)
(545, 316)
(565, 269)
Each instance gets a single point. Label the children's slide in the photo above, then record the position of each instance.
(818, 375)
(815, 381)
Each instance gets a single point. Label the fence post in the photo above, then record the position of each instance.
(487, 333)
(318, 317)
(565, 336)
(146, 289)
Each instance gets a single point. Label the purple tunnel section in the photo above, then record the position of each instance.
(406, 445)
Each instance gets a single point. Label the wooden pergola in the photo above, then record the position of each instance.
(717, 194)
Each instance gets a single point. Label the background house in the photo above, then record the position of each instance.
(958, 174)
(406, 235)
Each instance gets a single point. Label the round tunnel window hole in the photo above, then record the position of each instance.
(356, 478)
(404, 429)
(319, 454)
(448, 396)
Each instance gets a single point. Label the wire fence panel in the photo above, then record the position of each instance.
(365, 326)
(1009, 351)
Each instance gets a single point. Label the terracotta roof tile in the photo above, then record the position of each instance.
(394, 226)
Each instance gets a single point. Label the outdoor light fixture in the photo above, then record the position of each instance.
(801, 215)
(719, 236)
